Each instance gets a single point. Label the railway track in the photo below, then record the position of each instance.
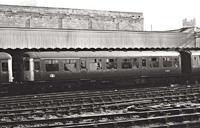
(104, 108)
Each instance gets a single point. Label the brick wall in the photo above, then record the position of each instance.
(45, 17)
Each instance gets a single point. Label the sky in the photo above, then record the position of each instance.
(158, 15)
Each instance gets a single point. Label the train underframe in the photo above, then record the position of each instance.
(23, 88)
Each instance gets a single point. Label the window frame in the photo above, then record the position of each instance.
(136, 63)
(96, 62)
(2, 66)
(128, 62)
(154, 64)
(37, 69)
(70, 62)
(174, 64)
(26, 65)
(52, 63)
(114, 63)
(167, 61)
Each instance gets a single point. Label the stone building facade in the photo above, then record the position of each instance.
(189, 23)
(65, 18)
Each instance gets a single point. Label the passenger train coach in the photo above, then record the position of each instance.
(119, 67)
(6, 74)
(100, 65)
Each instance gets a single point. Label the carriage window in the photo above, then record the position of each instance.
(70, 65)
(144, 63)
(51, 65)
(126, 64)
(26, 65)
(95, 64)
(154, 62)
(36, 65)
(176, 62)
(83, 65)
(111, 63)
(167, 62)
(196, 61)
(4, 66)
(136, 63)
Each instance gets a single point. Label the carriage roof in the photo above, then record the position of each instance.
(195, 53)
(5, 56)
(96, 54)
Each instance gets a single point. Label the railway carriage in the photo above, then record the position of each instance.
(195, 62)
(100, 65)
(5, 68)
(191, 65)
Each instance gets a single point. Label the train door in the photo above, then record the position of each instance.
(186, 63)
(37, 71)
(0, 72)
(28, 69)
(144, 66)
(143, 70)
(83, 68)
(4, 71)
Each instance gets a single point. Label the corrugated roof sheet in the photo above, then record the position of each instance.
(45, 55)
(52, 38)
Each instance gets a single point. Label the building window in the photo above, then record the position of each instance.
(70, 65)
(111, 63)
(4, 66)
(154, 62)
(126, 64)
(167, 62)
(51, 65)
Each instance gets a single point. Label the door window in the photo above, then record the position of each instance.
(144, 63)
(135, 63)
(26, 65)
(4, 66)
(37, 65)
(83, 65)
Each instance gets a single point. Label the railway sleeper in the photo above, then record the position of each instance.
(167, 119)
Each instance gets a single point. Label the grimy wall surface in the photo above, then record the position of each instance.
(45, 17)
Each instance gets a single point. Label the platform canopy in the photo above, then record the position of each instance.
(12, 38)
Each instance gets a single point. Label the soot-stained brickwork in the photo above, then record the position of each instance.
(66, 18)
